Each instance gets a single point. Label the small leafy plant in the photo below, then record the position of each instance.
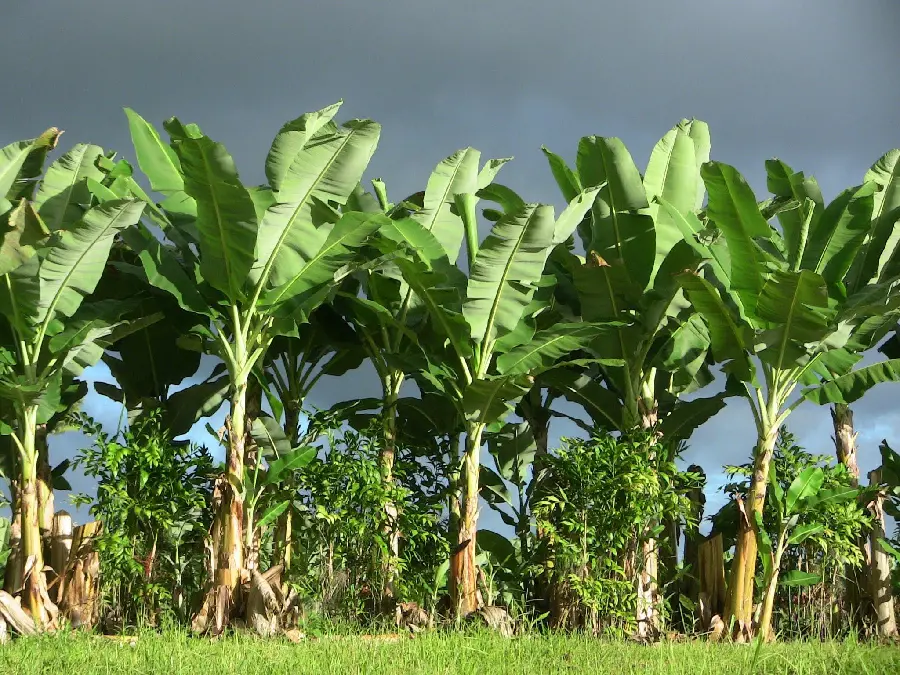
(798, 511)
(153, 498)
(603, 499)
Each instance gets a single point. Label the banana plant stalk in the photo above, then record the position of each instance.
(846, 450)
(634, 249)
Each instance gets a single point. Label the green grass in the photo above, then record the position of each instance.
(176, 654)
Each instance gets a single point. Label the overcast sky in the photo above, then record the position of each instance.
(813, 82)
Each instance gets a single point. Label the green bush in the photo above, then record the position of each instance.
(154, 499)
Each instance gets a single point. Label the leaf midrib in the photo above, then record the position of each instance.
(446, 192)
(323, 252)
(501, 287)
(788, 322)
(614, 214)
(68, 191)
(539, 347)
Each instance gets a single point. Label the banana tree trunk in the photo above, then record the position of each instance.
(229, 565)
(668, 551)
(847, 452)
(12, 578)
(648, 600)
(391, 388)
(845, 439)
(880, 571)
(648, 591)
(463, 570)
(454, 507)
(283, 534)
(34, 590)
(692, 537)
(743, 567)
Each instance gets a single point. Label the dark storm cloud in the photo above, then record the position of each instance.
(810, 81)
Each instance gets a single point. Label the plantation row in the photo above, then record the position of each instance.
(374, 504)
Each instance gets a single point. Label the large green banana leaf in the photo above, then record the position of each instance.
(840, 232)
(619, 229)
(21, 164)
(66, 269)
(687, 416)
(729, 337)
(796, 223)
(23, 232)
(63, 194)
(458, 174)
(547, 347)
(226, 215)
(602, 405)
(350, 232)
(507, 268)
(796, 304)
(76, 257)
(157, 159)
(312, 162)
(488, 400)
(672, 175)
(853, 385)
(880, 256)
(510, 262)
(733, 208)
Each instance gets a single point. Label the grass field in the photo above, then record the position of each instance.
(174, 654)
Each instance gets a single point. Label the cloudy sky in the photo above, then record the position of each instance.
(810, 81)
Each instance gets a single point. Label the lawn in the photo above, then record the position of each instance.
(175, 654)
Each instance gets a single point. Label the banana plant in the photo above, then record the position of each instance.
(387, 313)
(479, 361)
(56, 240)
(779, 312)
(251, 263)
(636, 377)
(22, 164)
(875, 263)
(860, 262)
(328, 346)
(795, 517)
